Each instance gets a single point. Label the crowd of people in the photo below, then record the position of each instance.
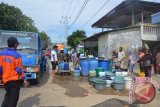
(58, 57)
(144, 58)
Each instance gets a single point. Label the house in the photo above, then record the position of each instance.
(156, 18)
(131, 27)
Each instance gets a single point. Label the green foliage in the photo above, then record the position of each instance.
(74, 39)
(12, 18)
(43, 35)
(46, 40)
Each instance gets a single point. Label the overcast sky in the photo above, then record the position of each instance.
(47, 14)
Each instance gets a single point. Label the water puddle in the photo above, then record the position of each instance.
(111, 91)
(72, 85)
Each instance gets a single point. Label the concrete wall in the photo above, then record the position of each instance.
(103, 45)
(127, 38)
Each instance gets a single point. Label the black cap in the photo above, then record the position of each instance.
(12, 41)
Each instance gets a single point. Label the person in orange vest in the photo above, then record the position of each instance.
(11, 72)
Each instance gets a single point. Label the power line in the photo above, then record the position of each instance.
(95, 13)
(64, 5)
(70, 4)
(79, 13)
(74, 8)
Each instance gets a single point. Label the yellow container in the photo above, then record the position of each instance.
(141, 74)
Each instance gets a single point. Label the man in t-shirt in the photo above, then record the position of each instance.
(54, 60)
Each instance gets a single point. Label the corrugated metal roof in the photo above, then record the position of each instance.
(121, 16)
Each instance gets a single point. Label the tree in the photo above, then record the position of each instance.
(74, 39)
(46, 40)
(12, 18)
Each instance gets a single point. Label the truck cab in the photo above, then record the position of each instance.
(30, 50)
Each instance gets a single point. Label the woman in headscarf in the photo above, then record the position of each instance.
(132, 60)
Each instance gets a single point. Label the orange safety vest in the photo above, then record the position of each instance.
(10, 65)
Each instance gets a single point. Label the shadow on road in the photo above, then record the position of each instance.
(30, 101)
(43, 79)
(115, 103)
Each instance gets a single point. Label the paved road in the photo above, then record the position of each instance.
(70, 92)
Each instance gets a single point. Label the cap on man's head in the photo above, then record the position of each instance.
(12, 41)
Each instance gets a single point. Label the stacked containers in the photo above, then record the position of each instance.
(93, 64)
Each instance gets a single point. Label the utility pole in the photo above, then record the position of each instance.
(65, 22)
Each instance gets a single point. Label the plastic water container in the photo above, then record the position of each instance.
(84, 67)
(128, 82)
(118, 86)
(102, 74)
(108, 83)
(118, 83)
(99, 69)
(66, 66)
(93, 64)
(104, 64)
(76, 73)
(100, 85)
(61, 65)
(65, 50)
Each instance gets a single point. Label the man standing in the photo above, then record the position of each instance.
(121, 56)
(54, 60)
(11, 72)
